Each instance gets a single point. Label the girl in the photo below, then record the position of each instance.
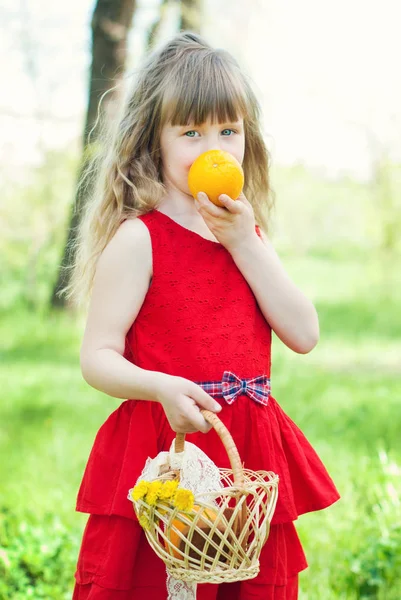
(183, 294)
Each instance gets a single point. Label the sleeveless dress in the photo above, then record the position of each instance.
(199, 320)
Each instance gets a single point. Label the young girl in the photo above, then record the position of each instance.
(185, 293)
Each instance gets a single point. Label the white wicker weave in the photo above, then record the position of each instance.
(221, 538)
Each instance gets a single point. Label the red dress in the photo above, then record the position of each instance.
(199, 319)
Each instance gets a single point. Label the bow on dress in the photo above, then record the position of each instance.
(231, 386)
(257, 388)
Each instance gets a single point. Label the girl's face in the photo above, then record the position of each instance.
(180, 146)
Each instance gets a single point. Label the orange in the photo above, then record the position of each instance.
(175, 539)
(216, 172)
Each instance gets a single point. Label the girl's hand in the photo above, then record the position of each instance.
(232, 224)
(181, 400)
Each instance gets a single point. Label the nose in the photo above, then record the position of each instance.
(209, 147)
(213, 141)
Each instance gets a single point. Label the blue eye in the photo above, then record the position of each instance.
(232, 130)
(188, 132)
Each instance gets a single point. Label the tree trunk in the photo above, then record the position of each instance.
(111, 22)
(156, 26)
(191, 15)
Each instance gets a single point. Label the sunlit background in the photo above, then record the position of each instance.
(328, 79)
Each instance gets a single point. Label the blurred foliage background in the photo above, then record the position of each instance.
(336, 228)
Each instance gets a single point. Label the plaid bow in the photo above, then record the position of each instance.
(231, 386)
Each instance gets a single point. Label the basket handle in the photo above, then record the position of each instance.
(228, 442)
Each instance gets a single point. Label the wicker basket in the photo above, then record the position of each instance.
(220, 539)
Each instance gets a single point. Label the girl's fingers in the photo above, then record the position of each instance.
(203, 399)
(204, 202)
(232, 205)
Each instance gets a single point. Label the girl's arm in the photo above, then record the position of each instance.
(121, 282)
(288, 311)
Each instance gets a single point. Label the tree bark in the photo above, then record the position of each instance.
(191, 15)
(111, 23)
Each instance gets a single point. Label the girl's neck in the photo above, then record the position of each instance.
(183, 211)
(176, 205)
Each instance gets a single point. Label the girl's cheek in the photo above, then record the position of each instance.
(188, 159)
(189, 162)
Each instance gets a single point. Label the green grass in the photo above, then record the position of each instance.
(344, 395)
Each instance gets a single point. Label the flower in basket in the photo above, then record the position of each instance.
(140, 490)
(167, 494)
(168, 489)
(160, 493)
(153, 493)
(184, 500)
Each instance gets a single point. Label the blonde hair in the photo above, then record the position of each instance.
(184, 81)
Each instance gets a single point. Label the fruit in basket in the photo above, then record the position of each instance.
(216, 172)
(199, 539)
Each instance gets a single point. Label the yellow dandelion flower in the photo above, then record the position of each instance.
(144, 521)
(184, 499)
(168, 490)
(153, 493)
(140, 490)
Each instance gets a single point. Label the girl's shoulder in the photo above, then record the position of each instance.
(133, 236)
(132, 231)
(130, 242)
(139, 227)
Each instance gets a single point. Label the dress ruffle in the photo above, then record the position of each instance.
(117, 563)
(266, 438)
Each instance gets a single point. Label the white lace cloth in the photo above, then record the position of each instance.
(198, 474)
(180, 590)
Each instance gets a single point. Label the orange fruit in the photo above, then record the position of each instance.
(197, 539)
(216, 172)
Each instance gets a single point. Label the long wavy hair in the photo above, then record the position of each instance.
(184, 81)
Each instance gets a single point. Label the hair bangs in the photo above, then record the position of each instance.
(204, 88)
